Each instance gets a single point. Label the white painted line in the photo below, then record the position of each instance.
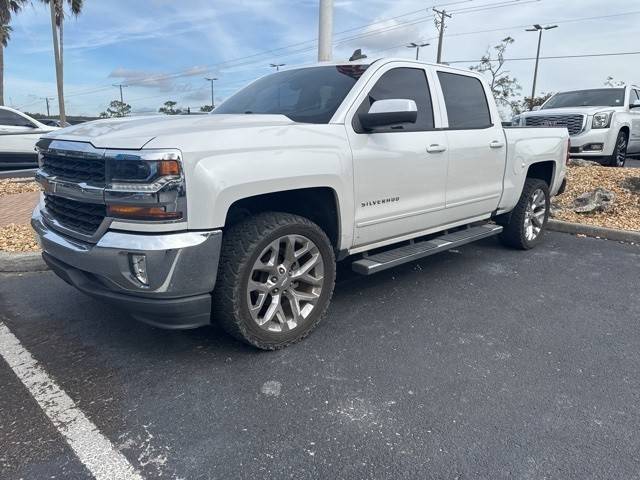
(93, 449)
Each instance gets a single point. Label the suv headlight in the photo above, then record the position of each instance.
(516, 121)
(601, 120)
(145, 185)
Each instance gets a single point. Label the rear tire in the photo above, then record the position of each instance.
(275, 279)
(524, 226)
(619, 156)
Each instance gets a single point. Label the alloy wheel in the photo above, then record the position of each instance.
(621, 151)
(285, 283)
(535, 214)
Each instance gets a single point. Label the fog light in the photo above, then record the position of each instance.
(138, 266)
(593, 147)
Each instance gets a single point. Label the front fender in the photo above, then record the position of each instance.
(317, 157)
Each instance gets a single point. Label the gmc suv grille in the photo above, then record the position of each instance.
(75, 169)
(81, 217)
(572, 122)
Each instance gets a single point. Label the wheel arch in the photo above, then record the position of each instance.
(543, 170)
(321, 205)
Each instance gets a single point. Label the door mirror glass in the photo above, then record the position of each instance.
(384, 113)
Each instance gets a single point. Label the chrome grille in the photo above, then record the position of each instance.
(75, 169)
(82, 217)
(573, 123)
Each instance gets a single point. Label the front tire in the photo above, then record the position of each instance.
(619, 156)
(524, 226)
(275, 279)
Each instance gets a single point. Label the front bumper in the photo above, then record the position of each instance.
(181, 269)
(593, 143)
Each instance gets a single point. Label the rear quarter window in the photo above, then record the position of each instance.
(465, 100)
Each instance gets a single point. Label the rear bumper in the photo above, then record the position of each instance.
(181, 269)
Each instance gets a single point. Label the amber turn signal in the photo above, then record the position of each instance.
(141, 213)
(168, 167)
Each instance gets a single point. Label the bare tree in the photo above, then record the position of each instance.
(504, 87)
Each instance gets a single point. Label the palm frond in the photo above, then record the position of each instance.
(5, 34)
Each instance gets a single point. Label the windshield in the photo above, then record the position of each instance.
(308, 95)
(601, 97)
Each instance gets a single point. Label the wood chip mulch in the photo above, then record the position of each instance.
(18, 238)
(624, 215)
(11, 186)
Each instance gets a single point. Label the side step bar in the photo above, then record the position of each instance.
(414, 251)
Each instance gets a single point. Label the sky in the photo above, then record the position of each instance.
(164, 49)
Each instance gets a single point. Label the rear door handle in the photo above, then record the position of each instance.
(496, 144)
(435, 148)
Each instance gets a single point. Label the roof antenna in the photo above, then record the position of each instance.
(357, 55)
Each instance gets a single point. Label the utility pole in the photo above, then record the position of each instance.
(417, 47)
(539, 29)
(46, 99)
(120, 85)
(213, 102)
(277, 66)
(440, 23)
(325, 31)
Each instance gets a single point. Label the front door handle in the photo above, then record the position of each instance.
(435, 148)
(496, 144)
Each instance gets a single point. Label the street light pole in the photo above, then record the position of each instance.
(277, 66)
(537, 28)
(417, 47)
(211, 80)
(325, 31)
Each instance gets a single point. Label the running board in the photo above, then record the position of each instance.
(414, 251)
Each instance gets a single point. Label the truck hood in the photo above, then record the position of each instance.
(571, 111)
(136, 132)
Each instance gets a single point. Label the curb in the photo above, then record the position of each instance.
(593, 231)
(22, 262)
(26, 173)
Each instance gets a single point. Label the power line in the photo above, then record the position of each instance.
(245, 61)
(556, 57)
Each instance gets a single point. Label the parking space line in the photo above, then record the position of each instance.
(94, 450)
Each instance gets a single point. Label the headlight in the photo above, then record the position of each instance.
(516, 121)
(145, 185)
(601, 120)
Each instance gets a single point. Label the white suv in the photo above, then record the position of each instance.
(604, 123)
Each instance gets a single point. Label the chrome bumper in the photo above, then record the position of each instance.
(181, 269)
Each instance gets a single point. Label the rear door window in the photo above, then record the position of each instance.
(466, 102)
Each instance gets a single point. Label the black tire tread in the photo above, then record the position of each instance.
(612, 160)
(513, 234)
(238, 244)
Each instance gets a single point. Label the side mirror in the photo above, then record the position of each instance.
(385, 113)
(635, 104)
(536, 108)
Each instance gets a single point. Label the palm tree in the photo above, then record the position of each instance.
(57, 29)
(7, 8)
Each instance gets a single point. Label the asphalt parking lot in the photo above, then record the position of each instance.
(482, 362)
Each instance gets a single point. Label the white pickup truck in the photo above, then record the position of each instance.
(239, 216)
(604, 123)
